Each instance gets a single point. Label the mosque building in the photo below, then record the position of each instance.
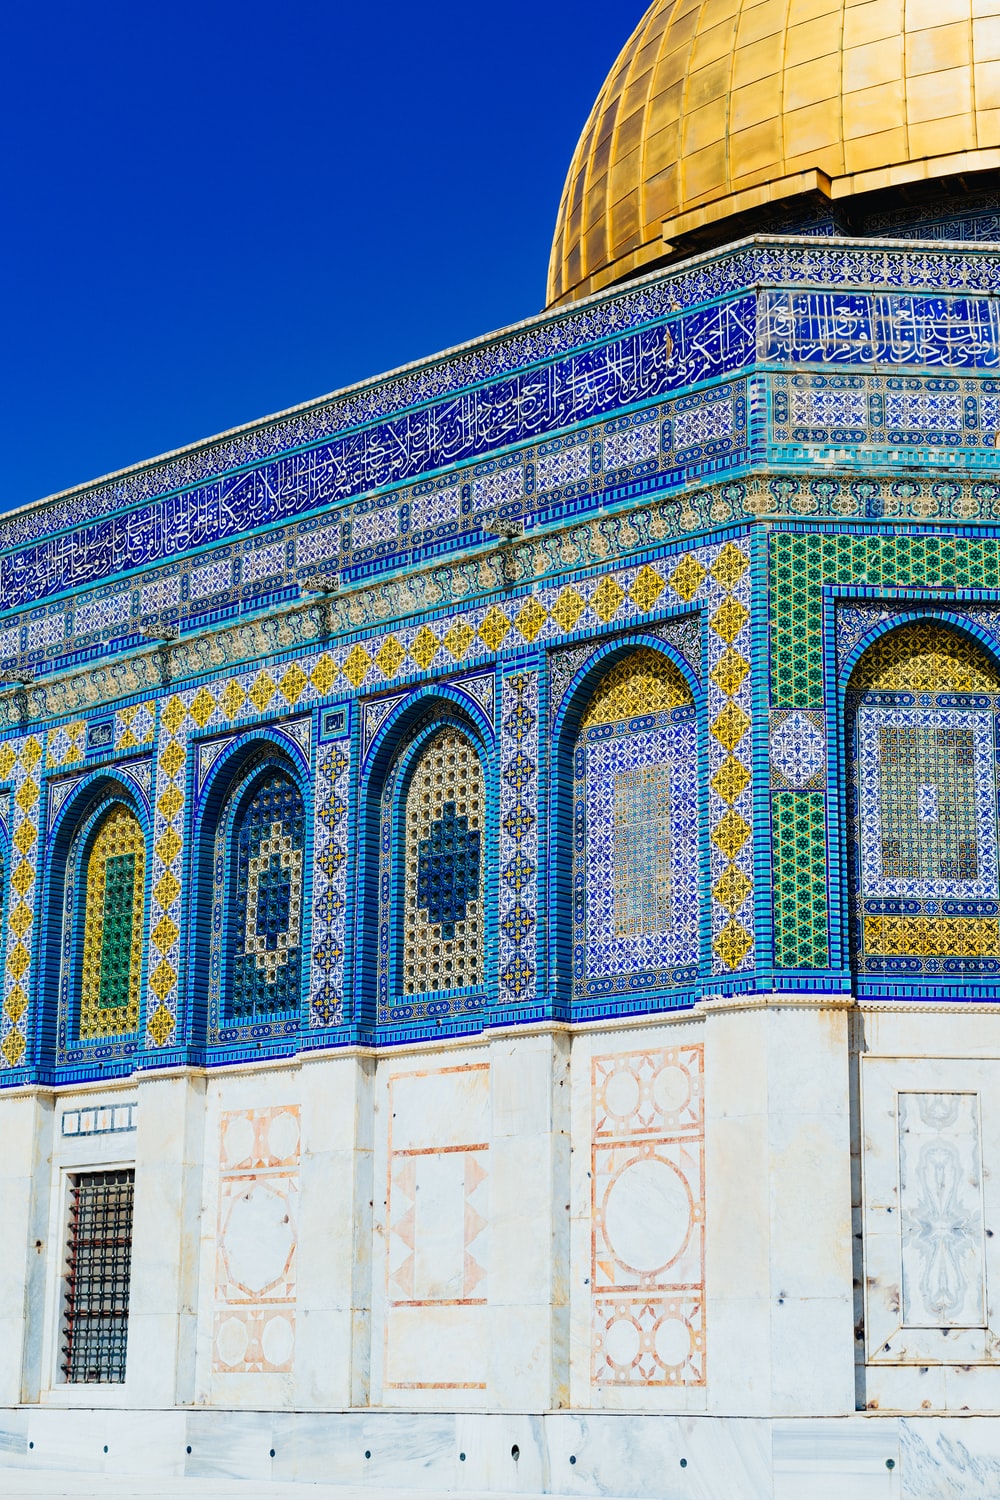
(500, 876)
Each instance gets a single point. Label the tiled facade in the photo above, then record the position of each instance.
(756, 590)
(493, 926)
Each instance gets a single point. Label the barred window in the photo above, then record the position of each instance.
(99, 1265)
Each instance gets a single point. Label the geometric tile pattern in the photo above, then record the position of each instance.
(798, 749)
(712, 579)
(442, 899)
(518, 838)
(922, 722)
(648, 1218)
(135, 725)
(329, 892)
(265, 956)
(635, 832)
(19, 765)
(256, 1244)
(801, 564)
(800, 892)
(113, 926)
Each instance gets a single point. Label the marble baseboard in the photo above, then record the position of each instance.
(691, 1457)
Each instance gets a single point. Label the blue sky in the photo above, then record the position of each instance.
(213, 211)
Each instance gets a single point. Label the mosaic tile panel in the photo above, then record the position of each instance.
(800, 876)
(648, 1214)
(922, 725)
(801, 563)
(265, 955)
(113, 935)
(329, 918)
(442, 889)
(635, 832)
(798, 749)
(659, 359)
(19, 764)
(713, 579)
(518, 838)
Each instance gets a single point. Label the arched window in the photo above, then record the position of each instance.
(921, 712)
(110, 955)
(635, 831)
(431, 937)
(257, 907)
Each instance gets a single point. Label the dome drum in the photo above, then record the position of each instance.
(718, 109)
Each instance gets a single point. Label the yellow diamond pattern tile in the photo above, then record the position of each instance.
(729, 619)
(168, 845)
(606, 600)
(390, 656)
(358, 665)
(17, 1003)
(20, 919)
(166, 889)
(493, 630)
(729, 566)
(687, 578)
(262, 691)
(323, 674)
(729, 672)
(18, 960)
(232, 699)
(23, 878)
(165, 934)
(458, 640)
(170, 802)
(530, 620)
(293, 684)
(173, 715)
(8, 760)
(27, 794)
(646, 588)
(730, 779)
(730, 833)
(31, 753)
(732, 889)
(25, 837)
(12, 1048)
(202, 707)
(732, 944)
(161, 1025)
(730, 725)
(172, 758)
(425, 647)
(568, 608)
(162, 979)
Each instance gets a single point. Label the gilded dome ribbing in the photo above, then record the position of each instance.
(717, 106)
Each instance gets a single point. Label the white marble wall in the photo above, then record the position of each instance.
(929, 1207)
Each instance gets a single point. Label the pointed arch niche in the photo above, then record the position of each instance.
(635, 831)
(432, 927)
(921, 718)
(251, 947)
(99, 891)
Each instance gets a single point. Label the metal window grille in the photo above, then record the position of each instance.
(98, 1276)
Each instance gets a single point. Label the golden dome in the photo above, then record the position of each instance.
(716, 107)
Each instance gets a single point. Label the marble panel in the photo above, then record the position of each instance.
(829, 1460)
(256, 1245)
(437, 1230)
(931, 1133)
(648, 1210)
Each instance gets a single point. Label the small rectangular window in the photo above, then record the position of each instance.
(99, 1266)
